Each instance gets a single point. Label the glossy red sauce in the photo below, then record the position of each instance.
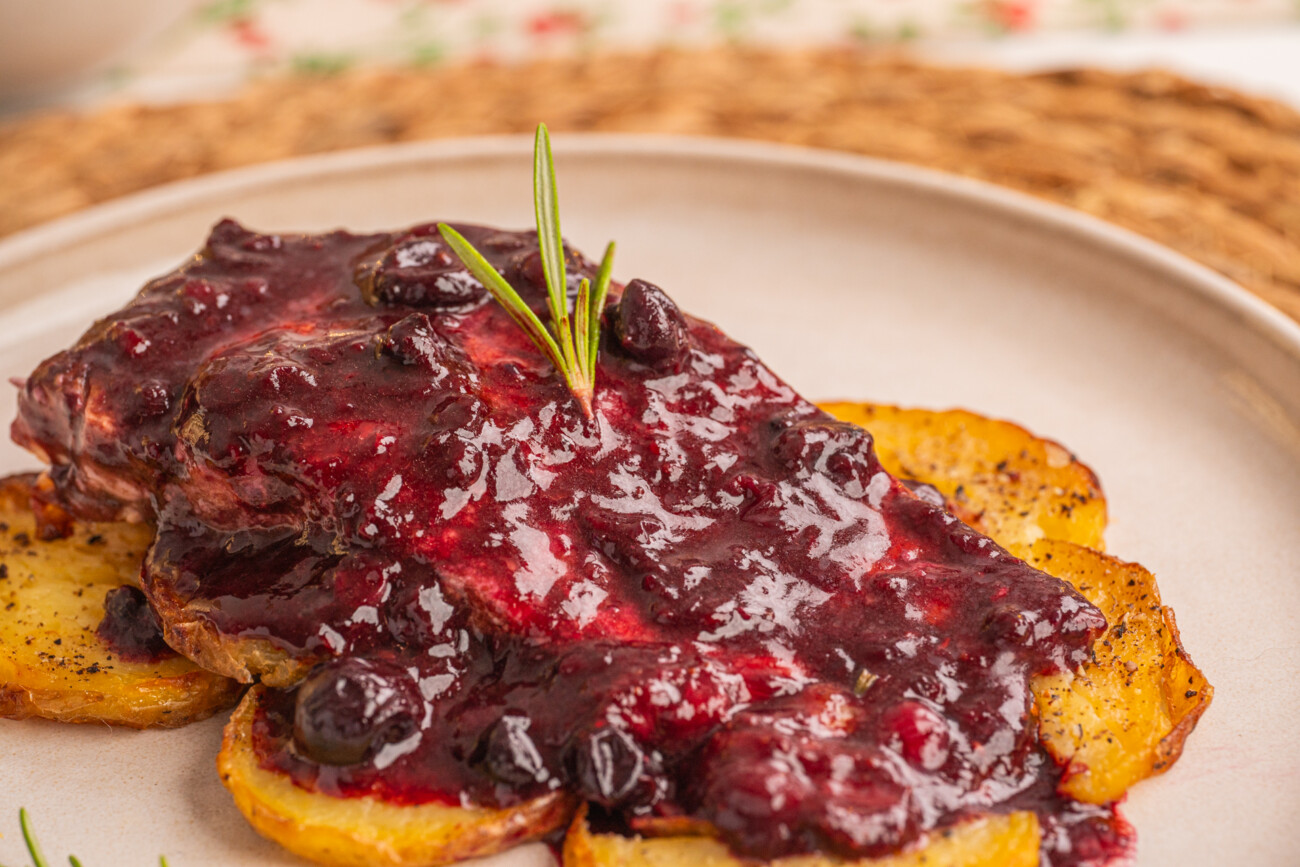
(130, 629)
(708, 600)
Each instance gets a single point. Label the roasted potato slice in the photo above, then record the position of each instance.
(366, 831)
(991, 841)
(1124, 716)
(52, 662)
(996, 476)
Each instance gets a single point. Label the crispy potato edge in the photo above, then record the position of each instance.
(997, 476)
(1125, 715)
(53, 665)
(1188, 709)
(1010, 840)
(365, 831)
(189, 630)
(203, 696)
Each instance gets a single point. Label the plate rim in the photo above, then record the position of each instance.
(1191, 276)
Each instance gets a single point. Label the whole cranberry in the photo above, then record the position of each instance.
(234, 246)
(414, 341)
(919, 734)
(649, 326)
(1010, 625)
(753, 787)
(418, 270)
(524, 270)
(927, 492)
(840, 451)
(347, 708)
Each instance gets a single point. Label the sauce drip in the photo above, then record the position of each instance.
(130, 628)
(709, 600)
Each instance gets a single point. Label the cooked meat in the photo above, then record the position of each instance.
(708, 599)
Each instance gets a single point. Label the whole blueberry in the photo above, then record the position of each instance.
(613, 770)
(510, 755)
(348, 707)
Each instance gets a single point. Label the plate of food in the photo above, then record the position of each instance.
(366, 532)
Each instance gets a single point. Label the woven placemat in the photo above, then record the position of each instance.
(1211, 173)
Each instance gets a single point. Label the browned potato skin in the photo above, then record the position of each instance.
(1125, 715)
(996, 476)
(992, 841)
(187, 629)
(365, 831)
(52, 664)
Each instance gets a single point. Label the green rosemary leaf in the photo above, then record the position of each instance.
(571, 344)
(504, 293)
(546, 206)
(582, 328)
(573, 371)
(598, 308)
(33, 848)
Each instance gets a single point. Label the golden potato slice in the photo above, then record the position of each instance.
(1124, 716)
(366, 831)
(52, 664)
(996, 476)
(992, 841)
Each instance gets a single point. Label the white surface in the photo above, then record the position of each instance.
(1264, 60)
(49, 44)
(1178, 388)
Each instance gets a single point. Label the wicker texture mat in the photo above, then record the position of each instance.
(1211, 173)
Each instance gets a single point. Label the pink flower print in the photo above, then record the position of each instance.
(1172, 19)
(250, 35)
(1012, 16)
(683, 14)
(557, 23)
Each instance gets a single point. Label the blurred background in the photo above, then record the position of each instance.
(1179, 119)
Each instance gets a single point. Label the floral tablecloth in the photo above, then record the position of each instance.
(224, 41)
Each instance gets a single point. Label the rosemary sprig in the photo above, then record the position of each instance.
(571, 343)
(34, 847)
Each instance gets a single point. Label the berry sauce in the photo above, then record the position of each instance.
(708, 600)
(130, 628)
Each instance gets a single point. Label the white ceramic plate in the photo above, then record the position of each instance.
(855, 279)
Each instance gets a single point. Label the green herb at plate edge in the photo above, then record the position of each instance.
(34, 847)
(571, 344)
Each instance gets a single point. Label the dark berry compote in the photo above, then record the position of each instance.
(130, 628)
(706, 600)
